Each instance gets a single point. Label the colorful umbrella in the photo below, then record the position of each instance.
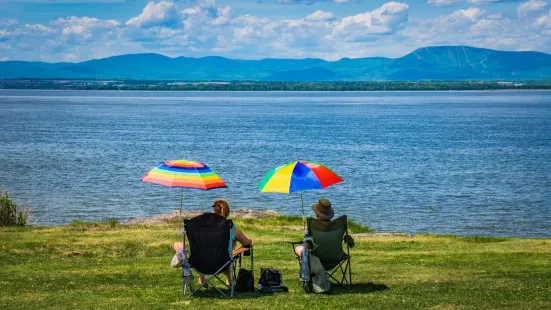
(298, 176)
(184, 174)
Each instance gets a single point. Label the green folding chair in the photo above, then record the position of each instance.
(328, 239)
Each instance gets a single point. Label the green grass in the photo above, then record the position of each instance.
(111, 266)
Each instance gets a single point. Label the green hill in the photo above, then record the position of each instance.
(429, 63)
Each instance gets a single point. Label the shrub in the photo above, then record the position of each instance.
(10, 213)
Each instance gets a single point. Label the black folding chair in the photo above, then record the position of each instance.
(209, 241)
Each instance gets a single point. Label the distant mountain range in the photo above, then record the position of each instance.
(428, 63)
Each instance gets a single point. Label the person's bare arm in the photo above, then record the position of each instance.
(241, 237)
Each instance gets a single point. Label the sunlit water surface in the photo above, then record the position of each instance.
(469, 163)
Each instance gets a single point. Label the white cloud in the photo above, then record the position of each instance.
(84, 27)
(444, 29)
(495, 16)
(320, 16)
(444, 2)
(475, 27)
(544, 21)
(532, 6)
(461, 2)
(156, 14)
(64, 39)
(469, 14)
(381, 21)
(4, 35)
(309, 2)
(456, 20)
(203, 28)
(35, 29)
(62, 1)
(5, 22)
(490, 1)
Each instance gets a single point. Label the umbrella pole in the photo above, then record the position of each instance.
(180, 217)
(180, 230)
(303, 215)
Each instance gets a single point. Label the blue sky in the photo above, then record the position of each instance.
(78, 30)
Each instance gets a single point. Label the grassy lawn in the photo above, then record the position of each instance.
(105, 266)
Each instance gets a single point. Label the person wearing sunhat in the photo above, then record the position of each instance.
(323, 209)
(323, 212)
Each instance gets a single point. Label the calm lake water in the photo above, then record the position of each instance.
(469, 163)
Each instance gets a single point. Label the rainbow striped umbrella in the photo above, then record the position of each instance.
(184, 174)
(297, 177)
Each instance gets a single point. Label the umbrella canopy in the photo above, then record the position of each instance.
(298, 176)
(184, 174)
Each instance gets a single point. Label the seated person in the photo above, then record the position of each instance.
(323, 212)
(222, 208)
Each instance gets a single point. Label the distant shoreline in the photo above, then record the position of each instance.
(282, 86)
(287, 91)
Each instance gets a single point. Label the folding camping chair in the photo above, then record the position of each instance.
(209, 244)
(327, 244)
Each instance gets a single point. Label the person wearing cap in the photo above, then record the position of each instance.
(323, 212)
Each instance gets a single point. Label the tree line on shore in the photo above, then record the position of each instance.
(270, 86)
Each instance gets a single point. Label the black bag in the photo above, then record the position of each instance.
(245, 281)
(269, 277)
(270, 281)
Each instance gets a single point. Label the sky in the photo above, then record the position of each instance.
(79, 30)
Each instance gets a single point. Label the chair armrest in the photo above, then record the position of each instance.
(295, 242)
(242, 249)
(349, 241)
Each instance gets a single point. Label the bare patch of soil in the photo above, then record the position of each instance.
(173, 216)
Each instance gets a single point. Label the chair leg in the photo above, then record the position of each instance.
(184, 287)
(345, 274)
(232, 272)
(209, 280)
(232, 276)
(187, 284)
(186, 281)
(223, 283)
(332, 275)
(349, 273)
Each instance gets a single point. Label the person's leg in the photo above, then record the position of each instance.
(227, 273)
(202, 279)
(298, 250)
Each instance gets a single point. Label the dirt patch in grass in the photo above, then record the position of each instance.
(381, 234)
(174, 216)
